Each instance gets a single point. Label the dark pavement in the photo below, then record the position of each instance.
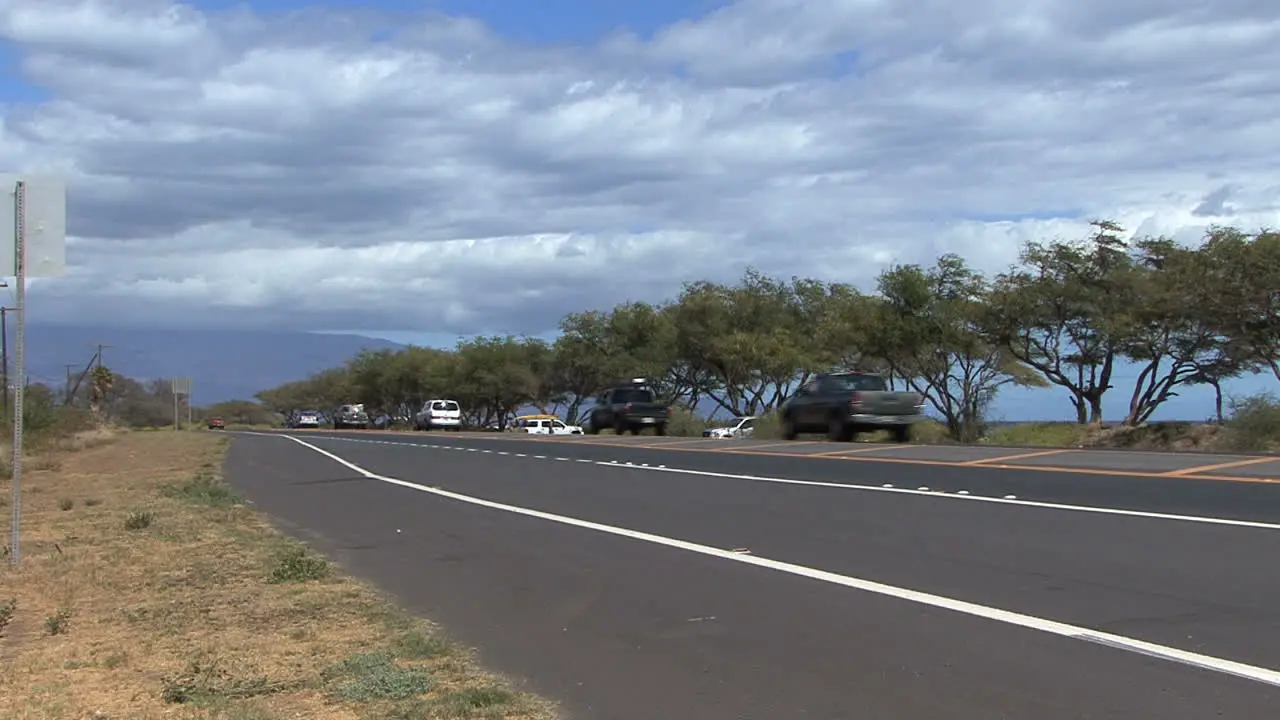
(618, 628)
(1243, 500)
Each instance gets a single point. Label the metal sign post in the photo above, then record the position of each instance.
(19, 362)
(39, 226)
(181, 387)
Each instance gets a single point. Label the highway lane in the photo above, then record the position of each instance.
(618, 629)
(1180, 495)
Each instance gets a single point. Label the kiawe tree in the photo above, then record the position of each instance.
(929, 332)
(1063, 312)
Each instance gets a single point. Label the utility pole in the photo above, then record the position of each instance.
(97, 357)
(69, 367)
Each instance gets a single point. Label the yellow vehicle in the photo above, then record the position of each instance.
(543, 425)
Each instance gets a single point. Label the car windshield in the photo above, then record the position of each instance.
(633, 395)
(857, 382)
(447, 405)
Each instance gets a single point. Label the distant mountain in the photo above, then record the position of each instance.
(222, 364)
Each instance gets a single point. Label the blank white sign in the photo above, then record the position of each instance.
(46, 204)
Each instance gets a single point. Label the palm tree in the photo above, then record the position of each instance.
(101, 381)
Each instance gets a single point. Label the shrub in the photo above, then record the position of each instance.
(685, 423)
(1254, 423)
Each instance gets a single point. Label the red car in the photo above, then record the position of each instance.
(217, 424)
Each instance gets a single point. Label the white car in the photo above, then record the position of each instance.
(546, 426)
(743, 427)
(439, 414)
(306, 419)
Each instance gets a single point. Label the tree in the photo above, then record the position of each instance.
(1177, 327)
(1063, 313)
(101, 381)
(496, 375)
(581, 359)
(929, 332)
(322, 391)
(752, 339)
(1241, 276)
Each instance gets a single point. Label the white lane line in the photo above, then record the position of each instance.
(1006, 500)
(1120, 642)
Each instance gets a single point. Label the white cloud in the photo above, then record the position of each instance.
(303, 170)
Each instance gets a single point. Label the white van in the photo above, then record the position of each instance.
(445, 414)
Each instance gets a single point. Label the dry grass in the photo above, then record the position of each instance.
(148, 590)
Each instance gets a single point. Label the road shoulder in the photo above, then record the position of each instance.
(148, 586)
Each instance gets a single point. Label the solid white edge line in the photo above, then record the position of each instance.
(1006, 500)
(1185, 657)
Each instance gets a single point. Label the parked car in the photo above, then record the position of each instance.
(845, 404)
(217, 424)
(543, 425)
(305, 419)
(351, 416)
(743, 427)
(439, 414)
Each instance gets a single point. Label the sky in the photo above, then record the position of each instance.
(426, 170)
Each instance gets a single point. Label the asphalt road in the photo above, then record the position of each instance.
(620, 626)
(1113, 479)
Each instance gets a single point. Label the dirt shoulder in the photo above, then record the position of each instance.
(148, 590)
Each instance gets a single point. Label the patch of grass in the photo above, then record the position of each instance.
(1042, 434)
(44, 461)
(366, 677)
(66, 504)
(296, 565)
(202, 681)
(92, 502)
(139, 520)
(215, 616)
(476, 702)
(59, 623)
(7, 609)
(203, 489)
(417, 645)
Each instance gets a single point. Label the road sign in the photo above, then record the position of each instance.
(181, 386)
(45, 201)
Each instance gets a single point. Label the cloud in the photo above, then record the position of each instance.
(329, 169)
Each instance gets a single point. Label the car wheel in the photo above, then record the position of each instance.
(838, 430)
(789, 429)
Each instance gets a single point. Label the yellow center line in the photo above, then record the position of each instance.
(838, 453)
(1019, 456)
(677, 443)
(1220, 466)
(750, 448)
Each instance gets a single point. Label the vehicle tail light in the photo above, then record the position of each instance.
(855, 399)
(627, 407)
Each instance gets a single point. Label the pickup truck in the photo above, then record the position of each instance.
(845, 404)
(628, 407)
(351, 416)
